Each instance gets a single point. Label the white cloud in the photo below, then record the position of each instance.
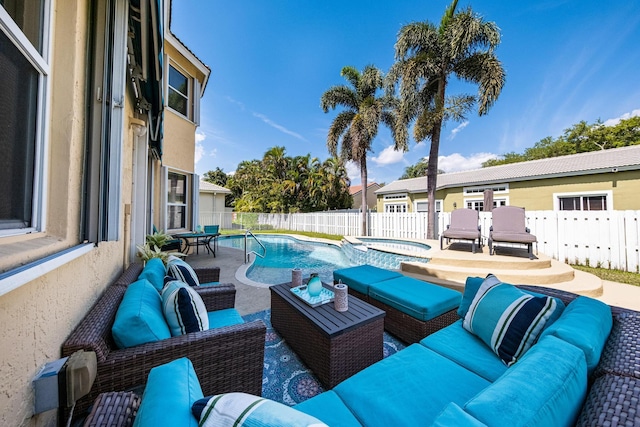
(233, 101)
(457, 162)
(279, 127)
(615, 121)
(200, 136)
(199, 152)
(388, 156)
(458, 129)
(353, 171)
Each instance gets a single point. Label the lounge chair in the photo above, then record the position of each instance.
(464, 226)
(508, 226)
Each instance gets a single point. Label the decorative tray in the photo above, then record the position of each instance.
(301, 292)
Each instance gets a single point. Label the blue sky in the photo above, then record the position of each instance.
(271, 60)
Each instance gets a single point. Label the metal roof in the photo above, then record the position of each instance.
(593, 162)
(213, 188)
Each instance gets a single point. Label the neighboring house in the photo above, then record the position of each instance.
(212, 198)
(598, 180)
(91, 159)
(356, 194)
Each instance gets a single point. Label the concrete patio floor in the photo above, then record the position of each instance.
(251, 299)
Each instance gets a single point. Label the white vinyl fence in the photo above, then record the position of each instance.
(610, 239)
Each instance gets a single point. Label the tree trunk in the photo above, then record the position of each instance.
(432, 166)
(363, 205)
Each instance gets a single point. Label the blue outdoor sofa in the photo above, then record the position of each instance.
(580, 371)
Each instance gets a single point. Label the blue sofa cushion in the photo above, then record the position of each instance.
(359, 278)
(330, 409)
(507, 319)
(180, 270)
(225, 317)
(154, 271)
(418, 299)
(170, 391)
(242, 409)
(139, 318)
(457, 344)
(183, 309)
(585, 323)
(410, 388)
(546, 388)
(453, 415)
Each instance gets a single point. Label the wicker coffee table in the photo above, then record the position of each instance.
(334, 345)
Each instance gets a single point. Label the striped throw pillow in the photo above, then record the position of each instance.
(183, 309)
(180, 270)
(507, 319)
(247, 410)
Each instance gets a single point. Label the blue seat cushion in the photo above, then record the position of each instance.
(459, 345)
(418, 299)
(330, 409)
(226, 317)
(139, 318)
(409, 388)
(359, 278)
(170, 392)
(585, 323)
(453, 415)
(154, 271)
(545, 388)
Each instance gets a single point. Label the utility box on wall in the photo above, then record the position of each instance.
(62, 382)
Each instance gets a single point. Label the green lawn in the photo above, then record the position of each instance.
(301, 233)
(612, 275)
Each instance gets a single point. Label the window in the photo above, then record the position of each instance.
(478, 205)
(176, 201)
(23, 87)
(423, 206)
(500, 188)
(395, 196)
(396, 207)
(178, 91)
(583, 203)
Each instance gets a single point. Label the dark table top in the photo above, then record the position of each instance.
(325, 317)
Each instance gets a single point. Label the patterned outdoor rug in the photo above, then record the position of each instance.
(286, 379)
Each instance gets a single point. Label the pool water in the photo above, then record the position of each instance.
(419, 249)
(286, 253)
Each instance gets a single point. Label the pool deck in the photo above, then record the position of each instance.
(251, 299)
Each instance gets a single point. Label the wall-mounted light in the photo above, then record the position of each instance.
(139, 126)
(455, 205)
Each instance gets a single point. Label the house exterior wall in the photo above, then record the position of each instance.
(539, 194)
(372, 201)
(211, 202)
(38, 315)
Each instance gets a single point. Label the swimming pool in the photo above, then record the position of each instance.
(285, 253)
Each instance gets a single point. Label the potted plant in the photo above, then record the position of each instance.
(153, 247)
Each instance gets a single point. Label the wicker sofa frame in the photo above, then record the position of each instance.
(226, 359)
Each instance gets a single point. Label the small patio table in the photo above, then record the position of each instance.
(198, 239)
(334, 345)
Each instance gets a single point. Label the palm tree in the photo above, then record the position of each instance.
(426, 57)
(357, 125)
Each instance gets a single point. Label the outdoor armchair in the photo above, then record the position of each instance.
(226, 359)
(509, 226)
(464, 226)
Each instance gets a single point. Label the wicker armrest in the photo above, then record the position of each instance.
(225, 359)
(217, 297)
(114, 409)
(208, 274)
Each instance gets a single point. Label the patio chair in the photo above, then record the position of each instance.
(464, 226)
(215, 230)
(508, 226)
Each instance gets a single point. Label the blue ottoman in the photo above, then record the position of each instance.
(359, 278)
(414, 308)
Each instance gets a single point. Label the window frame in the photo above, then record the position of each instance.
(497, 189)
(190, 92)
(41, 64)
(185, 202)
(607, 194)
(497, 202)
